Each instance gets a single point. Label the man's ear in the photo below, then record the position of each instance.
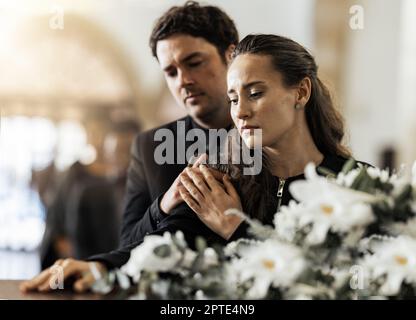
(229, 53)
(304, 91)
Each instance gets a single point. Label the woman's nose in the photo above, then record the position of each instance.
(243, 111)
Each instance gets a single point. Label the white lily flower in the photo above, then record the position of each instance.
(383, 175)
(346, 180)
(330, 214)
(210, 258)
(328, 206)
(143, 257)
(269, 263)
(286, 221)
(395, 259)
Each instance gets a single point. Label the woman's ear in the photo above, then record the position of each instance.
(229, 53)
(304, 91)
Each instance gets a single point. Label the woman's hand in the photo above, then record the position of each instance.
(172, 197)
(86, 273)
(210, 199)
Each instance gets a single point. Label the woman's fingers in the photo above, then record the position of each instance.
(191, 188)
(217, 174)
(201, 159)
(210, 179)
(189, 200)
(229, 187)
(198, 180)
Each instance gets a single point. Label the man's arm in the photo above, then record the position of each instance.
(141, 215)
(119, 257)
(182, 218)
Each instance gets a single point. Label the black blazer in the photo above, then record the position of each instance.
(147, 181)
(181, 218)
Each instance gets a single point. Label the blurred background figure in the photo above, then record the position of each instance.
(85, 215)
(77, 75)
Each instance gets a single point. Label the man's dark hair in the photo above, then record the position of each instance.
(208, 22)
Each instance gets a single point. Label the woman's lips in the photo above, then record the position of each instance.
(248, 129)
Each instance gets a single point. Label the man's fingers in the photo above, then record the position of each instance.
(57, 273)
(50, 278)
(85, 283)
(71, 267)
(37, 281)
(41, 279)
(68, 268)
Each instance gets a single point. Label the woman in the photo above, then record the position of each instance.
(272, 86)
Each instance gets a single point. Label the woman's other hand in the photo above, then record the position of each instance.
(210, 198)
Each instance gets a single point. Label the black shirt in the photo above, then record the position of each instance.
(330, 162)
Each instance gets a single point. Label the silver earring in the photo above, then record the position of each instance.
(298, 106)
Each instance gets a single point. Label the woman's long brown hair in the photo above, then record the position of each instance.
(325, 123)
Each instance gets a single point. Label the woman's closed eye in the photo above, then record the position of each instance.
(256, 94)
(233, 101)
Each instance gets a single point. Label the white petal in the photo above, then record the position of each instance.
(307, 191)
(318, 233)
(392, 284)
(259, 288)
(310, 171)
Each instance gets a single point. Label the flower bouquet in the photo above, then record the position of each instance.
(348, 236)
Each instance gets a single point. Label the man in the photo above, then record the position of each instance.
(193, 45)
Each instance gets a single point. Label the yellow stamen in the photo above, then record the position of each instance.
(327, 209)
(268, 264)
(401, 260)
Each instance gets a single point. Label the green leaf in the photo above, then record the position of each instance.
(326, 172)
(200, 244)
(163, 251)
(348, 166)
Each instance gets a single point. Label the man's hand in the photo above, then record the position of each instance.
(84, 272)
